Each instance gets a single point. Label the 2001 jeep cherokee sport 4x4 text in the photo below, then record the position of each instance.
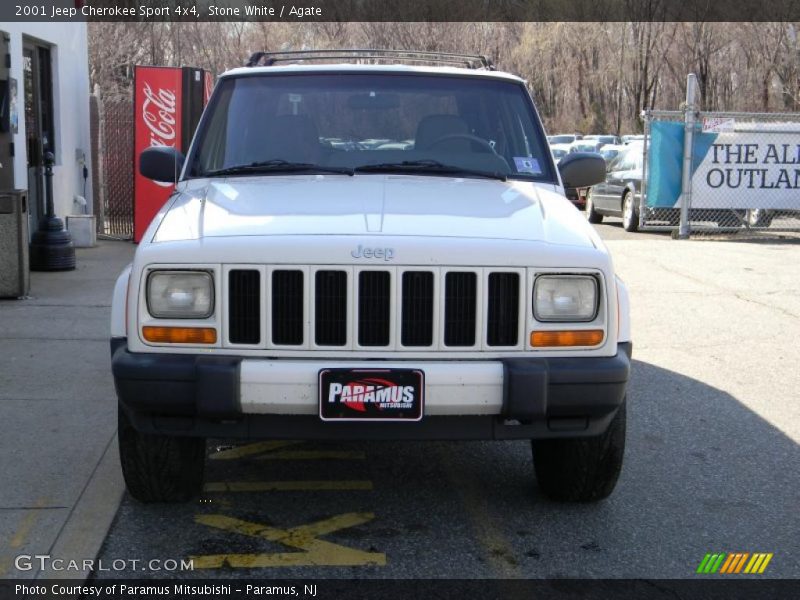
(377, 251)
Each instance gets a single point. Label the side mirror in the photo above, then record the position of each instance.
(161, 163)
(582, 169)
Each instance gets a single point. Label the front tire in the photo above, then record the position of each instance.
(630, 216)
(581, 469)
(591, 214)
(758, 217)
(160, 468)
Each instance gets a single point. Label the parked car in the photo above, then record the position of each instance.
(586, 146)
(559, 151)
(574, 195)
(627, 139)
(563, 138)
(293, 289)
(610, 151)
(604, 138)
(619, 195)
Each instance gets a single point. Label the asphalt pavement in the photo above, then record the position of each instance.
(712, 461)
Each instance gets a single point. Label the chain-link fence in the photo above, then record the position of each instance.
(655, 212)
(113, 136)
(720, 172)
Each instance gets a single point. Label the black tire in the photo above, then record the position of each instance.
(581, 469)
(758, 217)
(591, 214)
(160, 468)
(630, 214)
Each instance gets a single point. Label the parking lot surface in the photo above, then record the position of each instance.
(712, 460)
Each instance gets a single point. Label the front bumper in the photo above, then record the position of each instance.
(230, 396)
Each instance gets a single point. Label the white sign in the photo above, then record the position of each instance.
(747, 170)
(718, 124)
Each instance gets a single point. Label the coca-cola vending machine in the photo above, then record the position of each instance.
(168, 102)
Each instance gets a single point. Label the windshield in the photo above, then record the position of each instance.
(385, 122)
(562, 139)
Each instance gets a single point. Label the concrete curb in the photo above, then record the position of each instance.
(85, 529)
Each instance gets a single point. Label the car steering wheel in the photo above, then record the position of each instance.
(463, 136)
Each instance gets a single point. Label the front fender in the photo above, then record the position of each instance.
(119, 303)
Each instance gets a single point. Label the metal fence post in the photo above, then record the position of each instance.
(690, 112)
(643, 191)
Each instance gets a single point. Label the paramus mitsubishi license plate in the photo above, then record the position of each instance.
(371, 394)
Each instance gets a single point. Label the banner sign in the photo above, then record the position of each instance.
(157, 105)
(733, 168)
(664, 164)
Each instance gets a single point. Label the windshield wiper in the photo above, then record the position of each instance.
(427, 166)
(277, 165)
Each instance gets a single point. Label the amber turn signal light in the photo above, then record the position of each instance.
(180, 335)
(549, 339)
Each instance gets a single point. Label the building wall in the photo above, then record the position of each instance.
(70, 69)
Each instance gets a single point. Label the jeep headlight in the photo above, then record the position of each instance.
(565, 298)
(180, 294)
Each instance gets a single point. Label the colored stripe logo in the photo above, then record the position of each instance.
(734, 563)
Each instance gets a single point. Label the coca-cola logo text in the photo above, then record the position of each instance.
(160, 119)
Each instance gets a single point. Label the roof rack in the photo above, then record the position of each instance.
(470, 61)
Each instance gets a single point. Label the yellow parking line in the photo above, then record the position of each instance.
(316, 552)
(287, 486)
(313, 455)
(250, 449)
(21, 534)
(24, 529)
(500, 553)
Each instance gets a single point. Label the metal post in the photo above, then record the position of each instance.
(51, 246)
(646, 117)
(49, 210)
(690, 116)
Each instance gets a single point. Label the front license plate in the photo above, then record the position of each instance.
(371, 394)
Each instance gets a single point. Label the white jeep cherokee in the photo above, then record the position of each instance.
(377, 251)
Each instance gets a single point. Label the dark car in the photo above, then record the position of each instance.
(620, 193)
(563, 138)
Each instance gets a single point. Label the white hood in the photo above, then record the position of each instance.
(373, 205)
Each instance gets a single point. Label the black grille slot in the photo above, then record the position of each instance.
(374, 302)
(330, 308)
(503, 309)
(244, 306)
(417, 324)
(459, 308)
(287, 308)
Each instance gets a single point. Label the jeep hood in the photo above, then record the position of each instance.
(371, 205)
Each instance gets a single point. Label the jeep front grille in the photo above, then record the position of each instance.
(330, 308)
(502, 313)
(287, 308)
(417, 310)
(244, 309)
(374, 308)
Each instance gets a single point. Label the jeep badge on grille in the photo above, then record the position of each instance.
(384, 253)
